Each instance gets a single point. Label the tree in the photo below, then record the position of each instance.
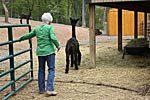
(5, 11)
(83, 15)
(74, 7)
(99, 13)
(11, 8)
(60, 12)
(106, 9)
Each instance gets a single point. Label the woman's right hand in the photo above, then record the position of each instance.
(58, 49)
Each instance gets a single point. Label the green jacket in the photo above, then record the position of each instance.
(46, 39)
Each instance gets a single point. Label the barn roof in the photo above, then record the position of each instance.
(134, 5)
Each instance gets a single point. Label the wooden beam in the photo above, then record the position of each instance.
(119, 29)
(92, 41)
(135, 24)
(145, 25)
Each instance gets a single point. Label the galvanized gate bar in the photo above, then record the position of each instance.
(4, 43)
(6, 72)
(7, 85)
(17, 89)
(14, 25)
(8, 42)
(11, 56)
(5, 58)
(8, 57)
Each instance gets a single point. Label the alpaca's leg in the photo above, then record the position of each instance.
(72, 60)
(67, 64)
(27, 21)
(76, 61)
(21, 21)
(79, 57)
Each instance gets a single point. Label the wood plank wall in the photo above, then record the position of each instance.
(127, 22)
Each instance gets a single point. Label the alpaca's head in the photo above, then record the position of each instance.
(74, 21)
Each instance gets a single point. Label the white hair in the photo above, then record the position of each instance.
(47, 17)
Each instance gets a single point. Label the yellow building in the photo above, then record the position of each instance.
(127, 22)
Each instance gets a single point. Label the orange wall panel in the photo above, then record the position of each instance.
(127, 22)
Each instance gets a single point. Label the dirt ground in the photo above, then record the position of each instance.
(113, 78)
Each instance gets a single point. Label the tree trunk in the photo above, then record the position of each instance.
(75, 9)
(105, 19)
(83, 15)
(11, 8)
(39, 4)
(5, 10)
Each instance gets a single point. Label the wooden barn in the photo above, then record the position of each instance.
(133, 5)
(127, 22)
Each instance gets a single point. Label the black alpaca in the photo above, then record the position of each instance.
(72, 48)
(27, 17)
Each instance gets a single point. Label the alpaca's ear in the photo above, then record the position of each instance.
(70, 18)
(77, 20)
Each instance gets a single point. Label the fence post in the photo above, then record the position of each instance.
(31, 57)
(11, 52)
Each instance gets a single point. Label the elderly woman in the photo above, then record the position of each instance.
(45, 51)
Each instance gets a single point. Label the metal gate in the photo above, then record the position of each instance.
(11, 83)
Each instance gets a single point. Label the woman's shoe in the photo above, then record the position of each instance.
(51, 93)
(41, 92)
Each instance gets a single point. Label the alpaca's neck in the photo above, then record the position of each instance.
(73, 32)
(29, 14)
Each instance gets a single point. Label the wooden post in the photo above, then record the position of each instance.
(135, 24)
(145, 25)
(92, 41)
(119, 29)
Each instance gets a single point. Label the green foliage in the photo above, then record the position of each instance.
(149, 16)
(1, 9)
(99, 12)
(61, 10)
